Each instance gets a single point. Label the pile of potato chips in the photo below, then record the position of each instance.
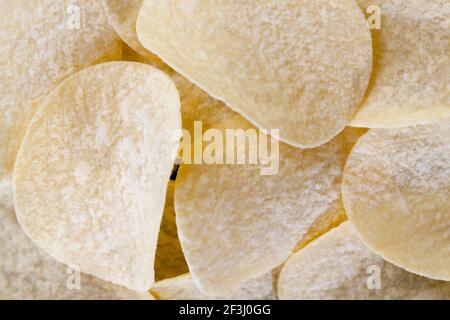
(109, 108)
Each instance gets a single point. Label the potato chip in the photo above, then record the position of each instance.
(184, 288)
(122, 14)
(43, 42)
(26, 272)
(196, 104)
(6, 196)
(322, 225)
(174, 282)
(352, 135)
(300, 66)
(178, 288)
(100, 151)
(396, 191)
(235, 223)
(169, 260)
(332, 219)
(410, 84)
(129, 54)
(339, 266)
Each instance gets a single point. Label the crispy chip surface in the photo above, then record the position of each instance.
(122, 15)
(26, 272)
(300, 66)
(43, 42)
(184, 288)
(6, 196)
(339, 266)
(128, 54)
(332, 219)
(196, 104)
(174, 281)
(236, 224)
(100, 152)
(410, 83)
(396, 191)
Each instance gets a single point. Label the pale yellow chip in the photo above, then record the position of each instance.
(184, 288)
(91, 175)
(26, 272)
(196, 104)
(410, 82)
(235, 223)
(321, 226)
(169, 260)
(396, 191)
(128, 54)
(43, 42)
(122, 14)
(174, 282)
(6, 196)
(332, 219)
(339, 266)
(296, 65)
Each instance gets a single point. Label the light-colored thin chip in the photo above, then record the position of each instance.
(6, 196)
(184, 288)
(196, 104)
(410, 83)
(169, 260)
(122, 14)
(236, 224)
(174, 283)
(43, 42)
(396, 191)
(322, 225)
(129, 54)
(26, 272)
(332, 219)
(300, 66)
(91, 175)
(339, 266)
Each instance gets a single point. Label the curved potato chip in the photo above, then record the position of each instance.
(322, 225)
(129, 54)
(100, 151)
(43, 42)
(300, 66)
(6, 196)
(169, 260)
(122, 15)
(339, 266)
(396, 191)
(332, 219)
(184, 288)
(178, 288)
(171, 269)
(28, 273)
(410, 83)
(196, 104)
(235, 224)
